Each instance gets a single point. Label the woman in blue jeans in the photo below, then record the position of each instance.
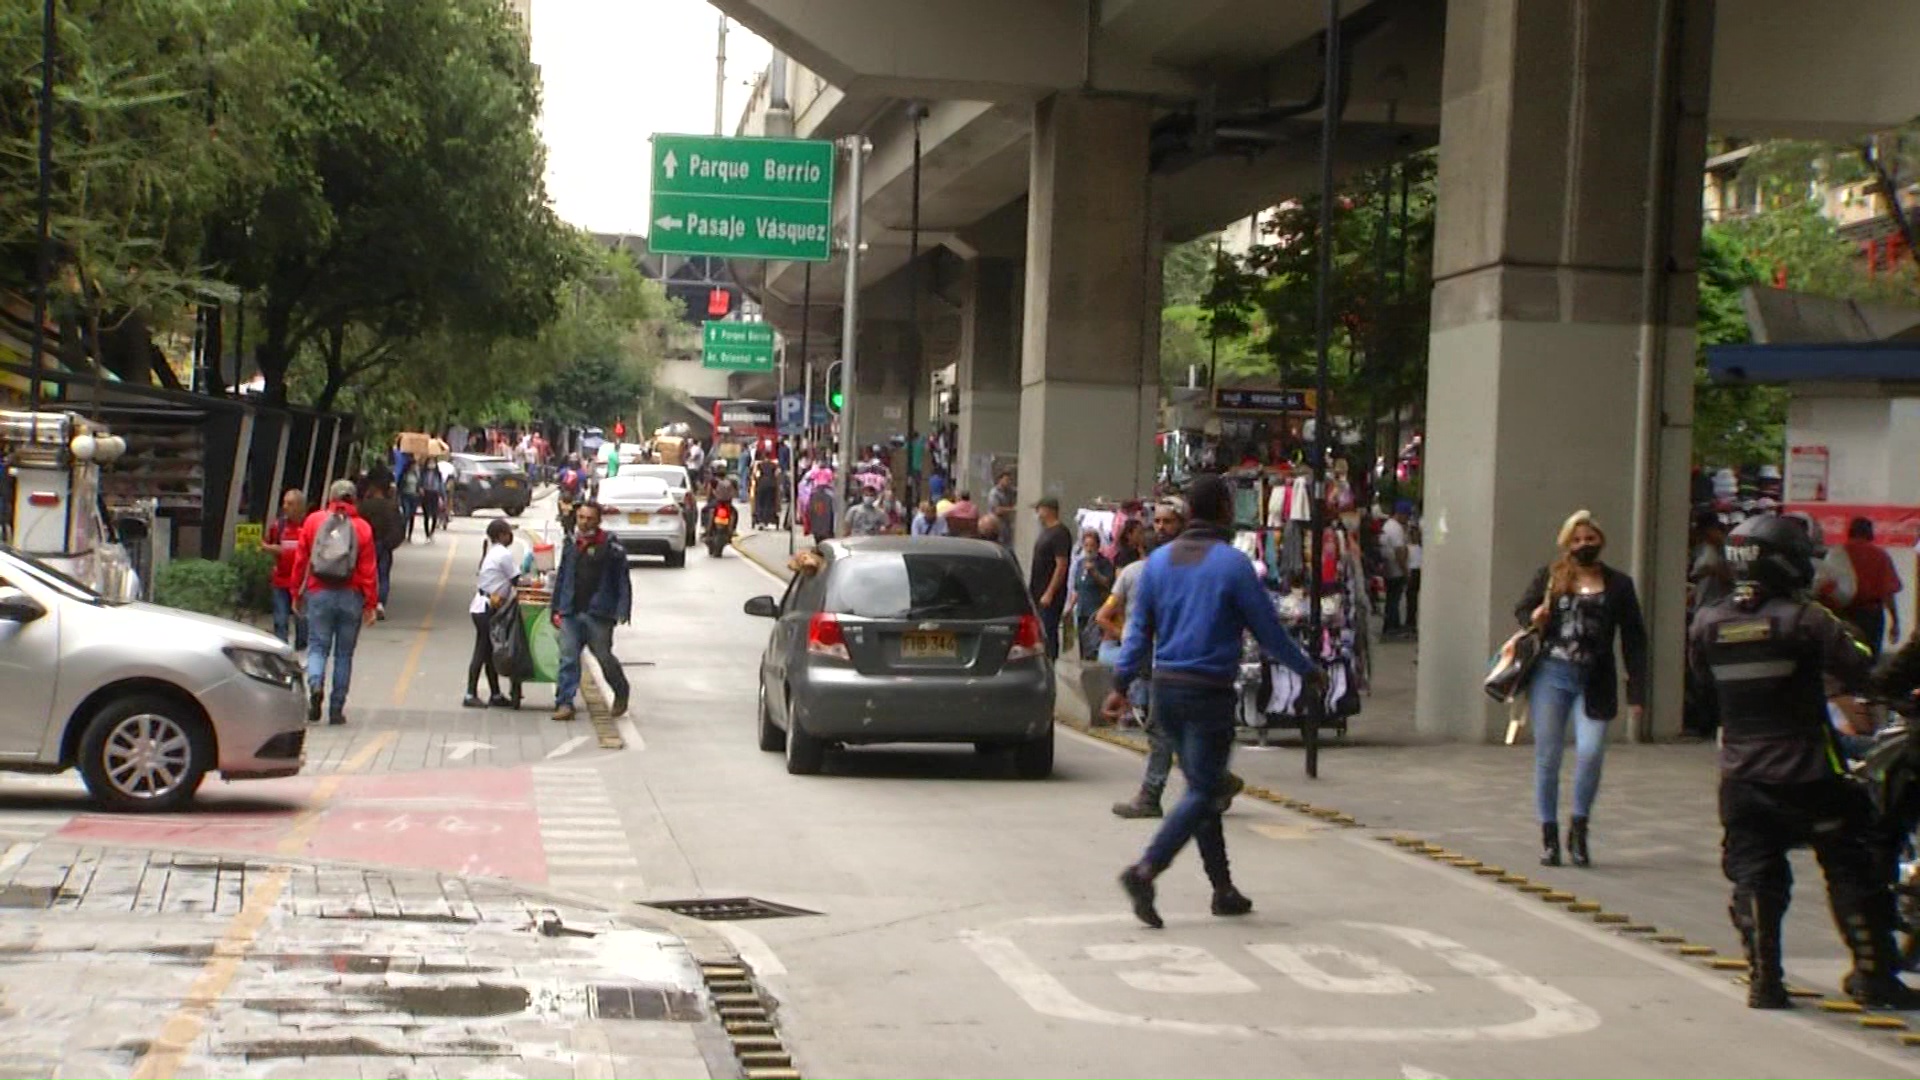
(1580, 605)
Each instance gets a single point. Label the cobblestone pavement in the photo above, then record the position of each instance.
(157, 963)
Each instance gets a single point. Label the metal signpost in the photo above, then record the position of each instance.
(857, 147)
(735, 346)
(742, 198)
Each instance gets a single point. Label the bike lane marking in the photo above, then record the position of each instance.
(1552, 1012)
(164, 1055)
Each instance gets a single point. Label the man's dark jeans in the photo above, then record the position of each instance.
(1198, 720)
(1396, 591)
(1050, 626)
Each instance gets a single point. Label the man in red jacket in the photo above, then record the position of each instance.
(283, 539)
(339, 592)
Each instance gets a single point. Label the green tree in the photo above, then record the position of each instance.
(161, 107)
(1377, 361)
(1733, 426)
(406, 195)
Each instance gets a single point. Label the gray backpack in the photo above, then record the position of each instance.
(336, 550)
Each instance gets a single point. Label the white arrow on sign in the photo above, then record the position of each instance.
(668, 164)
(462, 750)
(667, 222)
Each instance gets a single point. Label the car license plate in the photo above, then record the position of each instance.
(922, 646)
(639, 518)
(512, 482)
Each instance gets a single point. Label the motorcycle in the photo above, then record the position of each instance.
(720, 530)
(1890, 770)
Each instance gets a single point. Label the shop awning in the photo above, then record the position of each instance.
(1877, 362)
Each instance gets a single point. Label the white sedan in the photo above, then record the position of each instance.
(646, 517)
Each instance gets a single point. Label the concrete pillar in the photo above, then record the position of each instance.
(885, 366)
(989, 375)
(1089, 376)
(1559, 208)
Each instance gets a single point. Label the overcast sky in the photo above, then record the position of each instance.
(616, 71)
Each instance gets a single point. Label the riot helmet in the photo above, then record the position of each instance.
(1772, 552)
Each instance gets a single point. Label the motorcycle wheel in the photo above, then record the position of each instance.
(1906, 900)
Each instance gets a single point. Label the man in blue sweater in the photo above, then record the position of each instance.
(1193, 603)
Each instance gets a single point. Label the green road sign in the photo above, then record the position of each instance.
(742, 198)
(732, 346)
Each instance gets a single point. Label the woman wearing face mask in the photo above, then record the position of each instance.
(1579, 604)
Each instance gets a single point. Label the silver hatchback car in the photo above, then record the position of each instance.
(903, 640)
(143, 700)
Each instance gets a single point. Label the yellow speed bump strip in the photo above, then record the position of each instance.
(742, 1009)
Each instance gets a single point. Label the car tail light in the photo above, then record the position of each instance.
(824, 637)
(669, 510)
(1026, 639)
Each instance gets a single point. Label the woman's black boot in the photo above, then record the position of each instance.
(1577, 843)
(1549, 843)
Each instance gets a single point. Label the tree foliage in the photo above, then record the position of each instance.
(1379, 294)
(366, 176)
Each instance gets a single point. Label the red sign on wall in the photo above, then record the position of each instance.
(1893, 526)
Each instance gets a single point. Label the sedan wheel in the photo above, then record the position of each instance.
(805, 754)
(1034, 760)
(145, 753)
(772, 739)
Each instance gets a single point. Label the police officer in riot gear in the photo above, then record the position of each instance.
(1768, 655)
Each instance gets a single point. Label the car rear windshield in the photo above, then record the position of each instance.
(913, 586)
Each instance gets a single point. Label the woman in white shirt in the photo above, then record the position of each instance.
(494, 587)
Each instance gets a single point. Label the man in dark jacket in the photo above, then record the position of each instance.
(1195, 601)
(591, 593)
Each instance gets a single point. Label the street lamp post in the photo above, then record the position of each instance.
(1323, 339)
(43, 269)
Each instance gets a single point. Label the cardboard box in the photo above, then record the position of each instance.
(416, 443)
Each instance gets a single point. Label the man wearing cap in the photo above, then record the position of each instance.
(1393, 552)
(336, 600)
(1047, 577)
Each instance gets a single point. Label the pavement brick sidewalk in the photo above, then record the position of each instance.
(124, 962)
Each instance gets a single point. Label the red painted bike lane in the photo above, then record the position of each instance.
(458, 821)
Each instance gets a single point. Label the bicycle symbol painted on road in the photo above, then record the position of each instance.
(450, 824)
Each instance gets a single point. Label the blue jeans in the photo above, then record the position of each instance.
(1198, 722)
(333, 629)
(1557, 702)
(579, 632)
(409, 506)
(383, 561)
(285, 627)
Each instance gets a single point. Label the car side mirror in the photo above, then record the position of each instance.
(18, 607)
(765, 607)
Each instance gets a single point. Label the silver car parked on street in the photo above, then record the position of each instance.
(906, 640)
(143, 700)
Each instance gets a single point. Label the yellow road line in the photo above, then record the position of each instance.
(165, 1053)
(412, 666)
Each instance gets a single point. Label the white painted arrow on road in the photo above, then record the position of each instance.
(668, 222)
(668, 164)
(461, 750)
(1415, 1072)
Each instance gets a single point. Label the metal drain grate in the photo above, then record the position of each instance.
(611, 1002)
(730, 909)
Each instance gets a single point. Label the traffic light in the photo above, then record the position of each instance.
(719, 302)
(619, 429)
(836, 395)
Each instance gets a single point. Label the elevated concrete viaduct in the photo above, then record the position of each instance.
(1066, 141)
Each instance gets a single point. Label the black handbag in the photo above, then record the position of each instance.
(1512, 665)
